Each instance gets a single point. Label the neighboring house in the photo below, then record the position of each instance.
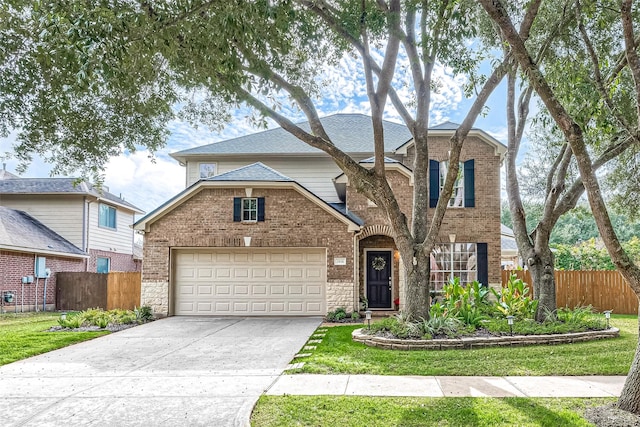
(270, 226)
(510, 255)
(96, 221)
(31, 250)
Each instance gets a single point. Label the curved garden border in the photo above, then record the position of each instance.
(468, 343)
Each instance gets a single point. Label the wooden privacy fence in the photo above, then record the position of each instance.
(604, 290)
(80, 291)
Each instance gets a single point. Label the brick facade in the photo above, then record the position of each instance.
(206, 220)
(15, 265)
(119, 262)
(292, 220)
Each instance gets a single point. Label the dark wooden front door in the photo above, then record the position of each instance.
(379, 279)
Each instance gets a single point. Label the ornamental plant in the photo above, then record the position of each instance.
(514, 299)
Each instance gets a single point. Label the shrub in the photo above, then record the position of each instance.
(143, 314)
(441, 326)
(70, 320)
(467, 303)
(514, 300)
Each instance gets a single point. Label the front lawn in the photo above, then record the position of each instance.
(25, 334)
(338, 354)
(362, 411)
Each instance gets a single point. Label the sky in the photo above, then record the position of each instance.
(147, 184)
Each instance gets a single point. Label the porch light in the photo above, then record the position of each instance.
(510, 322)
(367, 315)
(607, 315)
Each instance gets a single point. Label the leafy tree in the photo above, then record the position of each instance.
(82, 81)
(622, 36)
(553, 180)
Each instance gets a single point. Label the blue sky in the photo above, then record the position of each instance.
(148, 184)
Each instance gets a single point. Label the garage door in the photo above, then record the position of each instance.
(258, 282)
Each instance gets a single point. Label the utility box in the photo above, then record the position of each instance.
(41, 266)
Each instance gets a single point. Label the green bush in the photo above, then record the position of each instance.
(70, 320)
(467, 303)
(514, 300)
(100, 318)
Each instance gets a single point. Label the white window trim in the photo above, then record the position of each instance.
(459, 196)
(243, 210)
(200, 166)
(115, 217)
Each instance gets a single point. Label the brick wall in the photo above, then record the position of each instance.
(119, 262)
(480, 224)
(15, 265)
(206, 220)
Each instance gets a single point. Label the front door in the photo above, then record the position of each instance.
(379, 279)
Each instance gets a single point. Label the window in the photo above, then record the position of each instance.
(107, 216)
(103, 265)
(207, 170)
(467, 261)
(463, 194)
(248, 209)
(457, 196)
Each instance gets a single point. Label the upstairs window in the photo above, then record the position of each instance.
(463, 194)
(107, 216)
(248, 209)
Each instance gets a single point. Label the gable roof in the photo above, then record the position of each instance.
(255, 172)
(243, 177)
(351, 133)
(21, 232)
(447, 129)
(61, 186)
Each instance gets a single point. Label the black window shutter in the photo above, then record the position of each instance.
(260, 208)
(483, 264)
(237, 209)
(469, 184)
(434, 183)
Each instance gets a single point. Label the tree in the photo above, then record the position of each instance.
(560, 30)
(574, 134)
(114, 72)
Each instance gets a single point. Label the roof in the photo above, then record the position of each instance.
(265, 177)
(5, 174)
(373, 160)
(351, 133)
(61, 186)
(447, 129)
(19, 231)
(254, 172)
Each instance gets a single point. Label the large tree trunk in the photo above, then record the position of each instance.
(417, 286)
(542, 275)
(629, 397)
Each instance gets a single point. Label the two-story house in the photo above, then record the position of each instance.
(268, 225)
(95, 221)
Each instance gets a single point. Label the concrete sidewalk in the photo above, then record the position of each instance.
(381, 385)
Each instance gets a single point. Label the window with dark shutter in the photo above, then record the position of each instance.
(237, 209)
(469, 184)
(248, 209)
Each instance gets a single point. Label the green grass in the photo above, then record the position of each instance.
(24, 335)
(356, 411)
(338, 354)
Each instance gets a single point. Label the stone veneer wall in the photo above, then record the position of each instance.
(340, 294)
(155, 295)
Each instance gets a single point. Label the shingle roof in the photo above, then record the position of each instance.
(59, 186)
(19, 230)
(342, 208)
(373, 160)
(254, 172)
(352, 133)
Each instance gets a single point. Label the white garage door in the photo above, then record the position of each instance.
(258, 282)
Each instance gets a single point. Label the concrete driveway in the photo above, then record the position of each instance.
(171, 372)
